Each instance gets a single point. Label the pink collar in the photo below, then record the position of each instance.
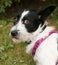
(38, 42)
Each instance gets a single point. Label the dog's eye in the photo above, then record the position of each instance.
(26, 22)
(16, 18)
(15, 21)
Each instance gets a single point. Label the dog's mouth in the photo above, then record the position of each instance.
(15, 37)
(28, 42)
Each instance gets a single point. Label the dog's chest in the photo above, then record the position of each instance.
(47, 49)
(41, 40)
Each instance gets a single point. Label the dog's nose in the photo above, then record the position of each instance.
(14, 33)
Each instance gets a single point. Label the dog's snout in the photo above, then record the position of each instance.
(14, 33)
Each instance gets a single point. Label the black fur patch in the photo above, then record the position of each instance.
(34, 21)
(36, 18)
(17, 18)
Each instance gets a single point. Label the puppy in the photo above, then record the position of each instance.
(31, 26)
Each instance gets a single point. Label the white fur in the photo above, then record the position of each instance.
(46, 53)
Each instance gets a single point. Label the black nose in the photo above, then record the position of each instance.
(14, 33)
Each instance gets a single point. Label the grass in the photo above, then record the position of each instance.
(53, 23)
(12, 54)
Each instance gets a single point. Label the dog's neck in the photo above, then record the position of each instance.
(43, 33)
(35, 35)
(38, 36)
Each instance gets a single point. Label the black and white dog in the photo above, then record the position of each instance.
(31, 26)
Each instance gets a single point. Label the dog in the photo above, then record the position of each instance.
(31, 26)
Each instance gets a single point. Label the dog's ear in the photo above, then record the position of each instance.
(43, 14)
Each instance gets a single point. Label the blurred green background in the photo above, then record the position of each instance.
(14, 54)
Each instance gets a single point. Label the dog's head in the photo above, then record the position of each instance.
(29, 23)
